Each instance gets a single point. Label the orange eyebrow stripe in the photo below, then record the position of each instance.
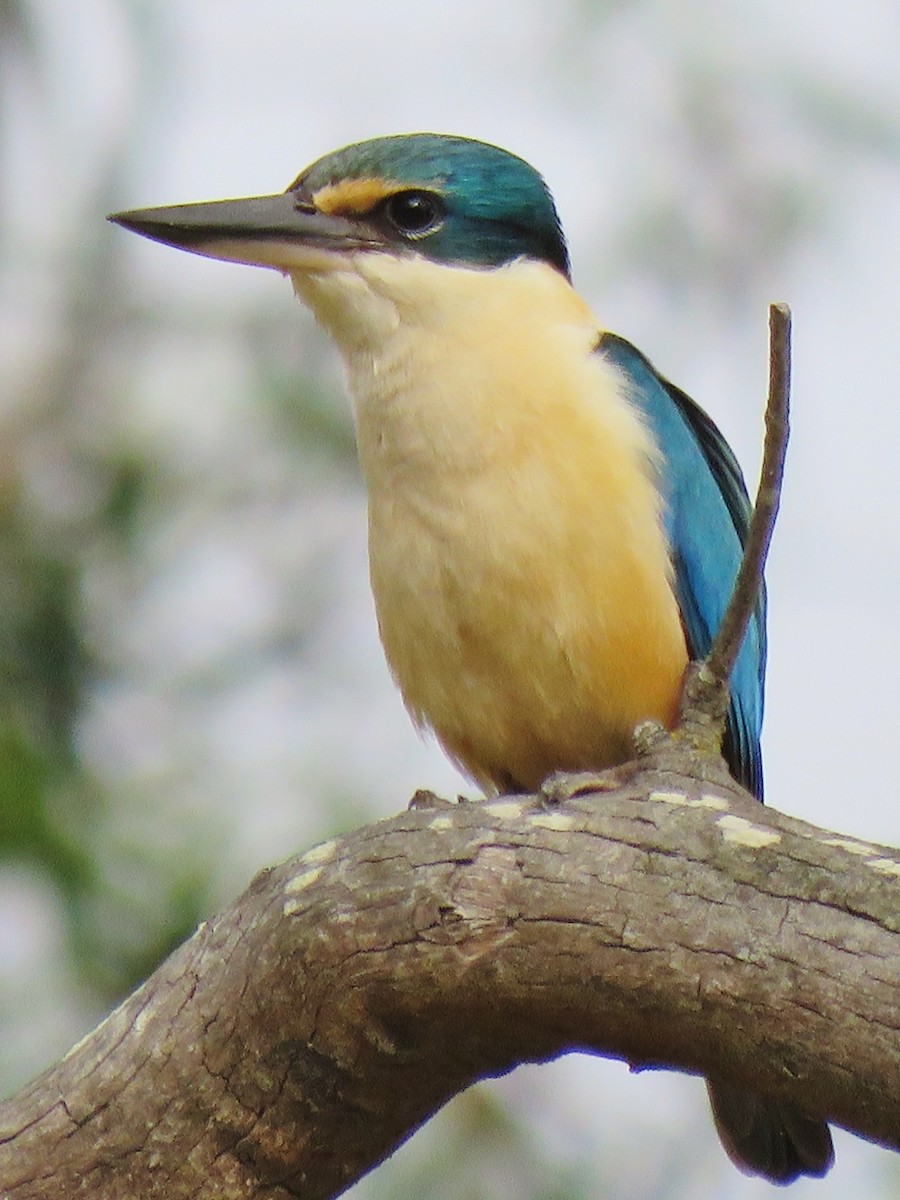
(355, 197)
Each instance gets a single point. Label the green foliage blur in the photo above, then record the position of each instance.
(85, 501)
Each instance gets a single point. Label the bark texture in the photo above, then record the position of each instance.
(301, 1035)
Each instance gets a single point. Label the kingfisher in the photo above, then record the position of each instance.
(554, 528)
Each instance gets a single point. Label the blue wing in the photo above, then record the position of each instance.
(707, 515)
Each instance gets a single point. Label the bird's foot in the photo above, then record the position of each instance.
(565, 785)
(423, 798)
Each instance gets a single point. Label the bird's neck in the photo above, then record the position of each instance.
(453, 368)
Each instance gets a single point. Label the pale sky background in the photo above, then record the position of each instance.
(242, 97)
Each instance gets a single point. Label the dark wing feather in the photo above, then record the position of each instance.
(707, 518)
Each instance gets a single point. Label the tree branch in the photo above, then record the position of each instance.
(299, 1037)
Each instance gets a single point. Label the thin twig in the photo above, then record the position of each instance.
(730, 636)
(704, 698)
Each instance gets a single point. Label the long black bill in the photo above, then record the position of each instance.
(280, 231)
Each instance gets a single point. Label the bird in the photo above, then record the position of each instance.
(554, 528)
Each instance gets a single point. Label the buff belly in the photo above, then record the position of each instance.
(529, 644)
(519, 566)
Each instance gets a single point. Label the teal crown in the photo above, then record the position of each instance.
(487, 206)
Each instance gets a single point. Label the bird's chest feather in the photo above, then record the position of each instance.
(520, 572)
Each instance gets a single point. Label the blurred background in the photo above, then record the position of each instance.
(191, 685)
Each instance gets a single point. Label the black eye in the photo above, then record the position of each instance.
(414, 214)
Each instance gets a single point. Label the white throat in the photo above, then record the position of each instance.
(439, 359)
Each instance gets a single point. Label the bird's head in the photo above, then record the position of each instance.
(450, 200)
